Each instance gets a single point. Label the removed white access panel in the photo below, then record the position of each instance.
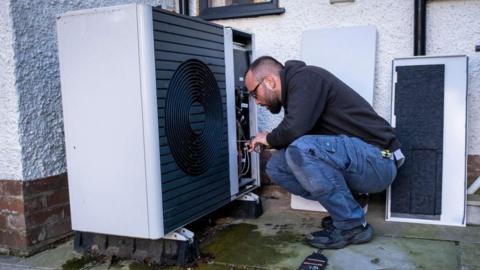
(429, 114)
(348, 53)
(300, 203)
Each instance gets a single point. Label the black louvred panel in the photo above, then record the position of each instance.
(191, 98)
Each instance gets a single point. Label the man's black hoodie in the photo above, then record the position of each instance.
(317, 102)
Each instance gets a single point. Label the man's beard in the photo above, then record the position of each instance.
(273, 104)
(275, 107)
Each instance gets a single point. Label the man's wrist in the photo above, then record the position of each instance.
(268, 144)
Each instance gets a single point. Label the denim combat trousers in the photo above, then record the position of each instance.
(328, 169)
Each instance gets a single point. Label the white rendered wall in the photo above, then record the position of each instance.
(453, 27)
(31, 123)
(10, 151)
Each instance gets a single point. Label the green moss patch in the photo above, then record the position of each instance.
(241, 244)
(77, 263)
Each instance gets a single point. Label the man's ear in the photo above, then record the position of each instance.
(271, 81)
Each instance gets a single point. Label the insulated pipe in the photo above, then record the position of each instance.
(420, 27)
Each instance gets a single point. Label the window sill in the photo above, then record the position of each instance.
(222, 13)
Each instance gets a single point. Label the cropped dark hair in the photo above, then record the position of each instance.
(265, 65)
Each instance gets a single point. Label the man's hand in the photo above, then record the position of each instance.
(259, 140)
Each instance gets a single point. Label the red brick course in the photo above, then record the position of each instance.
(11, 204)
(33, 213)
(32, 188)
(10, 188)
(13, 240)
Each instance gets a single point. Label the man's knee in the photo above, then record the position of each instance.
(314, 175)
(295, 155)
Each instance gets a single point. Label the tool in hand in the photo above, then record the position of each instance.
(258, 148)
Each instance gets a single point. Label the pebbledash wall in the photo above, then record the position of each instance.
(34, 206)
(453, 28)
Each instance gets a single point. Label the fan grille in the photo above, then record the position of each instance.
(193, 117)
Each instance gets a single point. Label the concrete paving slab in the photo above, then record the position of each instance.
(52, 258)
(395, 253)
(9, 266)
(376, 217)
(470, 255)
(5, 259)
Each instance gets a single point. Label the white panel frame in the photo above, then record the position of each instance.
(254, 120)
(110, 120)
(232, 134)
(232, 128)
(454, 180)
(347, 52)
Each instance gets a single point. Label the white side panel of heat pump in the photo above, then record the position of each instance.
(347, 52)
(104, 131)
(150, 121)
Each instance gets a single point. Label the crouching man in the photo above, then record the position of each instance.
(331, 143)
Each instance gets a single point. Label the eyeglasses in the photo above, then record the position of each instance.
(253, 93)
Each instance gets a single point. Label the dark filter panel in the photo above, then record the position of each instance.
(419, 104)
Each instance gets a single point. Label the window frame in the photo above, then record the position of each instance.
(239, 11)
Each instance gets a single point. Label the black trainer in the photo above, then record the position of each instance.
(327, 225)
(327, 222)
(336, 238)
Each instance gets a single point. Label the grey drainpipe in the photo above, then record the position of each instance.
(184, 7)
(420, 27)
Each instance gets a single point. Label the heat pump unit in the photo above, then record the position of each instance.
(155, 119)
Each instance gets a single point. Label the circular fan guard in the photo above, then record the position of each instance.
(193, 117)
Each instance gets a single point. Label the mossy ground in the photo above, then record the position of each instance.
(243, 245)
(78, 263)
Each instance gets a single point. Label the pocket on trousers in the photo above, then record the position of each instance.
(381, 171)
(327, 149)
(351, 156)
